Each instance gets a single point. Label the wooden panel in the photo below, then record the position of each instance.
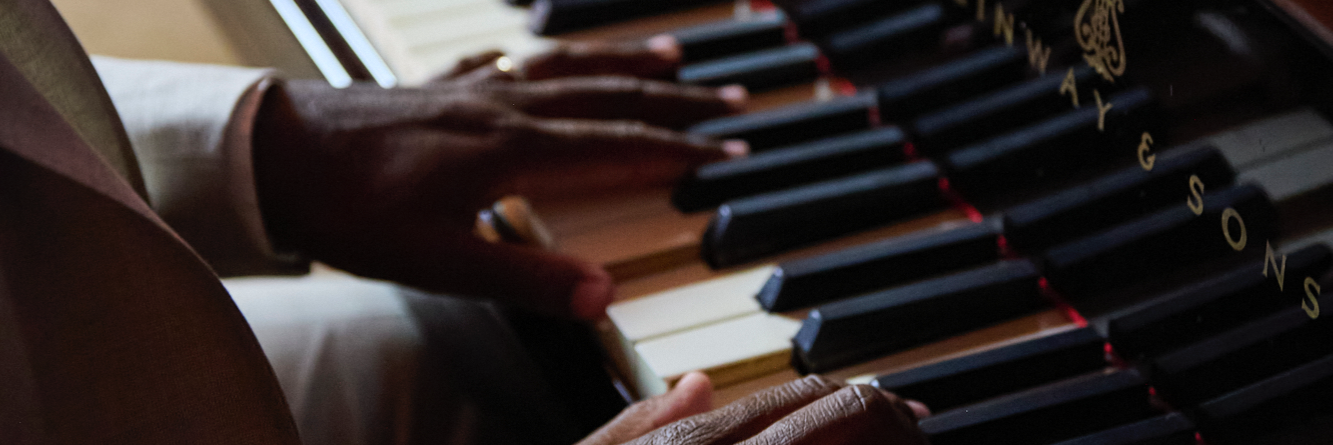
(141, 29)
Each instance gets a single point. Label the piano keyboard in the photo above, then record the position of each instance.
(1062, 200)
(419, 39)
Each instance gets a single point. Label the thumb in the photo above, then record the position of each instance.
(692, 395)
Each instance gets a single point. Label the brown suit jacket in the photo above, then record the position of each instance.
(112, 329)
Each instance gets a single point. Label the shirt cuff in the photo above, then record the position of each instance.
(191, 126)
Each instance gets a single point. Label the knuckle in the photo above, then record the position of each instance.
(819, 382)
(680, 431)
(620, 84)
(626, 129)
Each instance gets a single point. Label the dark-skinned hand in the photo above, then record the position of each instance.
(386, 183)
(812, 410)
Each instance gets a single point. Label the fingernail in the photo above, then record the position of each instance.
(592, 294)
(666, 47)
(736, 96)
(690, 379)
(918, 408)
(736, 148)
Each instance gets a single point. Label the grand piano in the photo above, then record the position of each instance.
(1054, 221)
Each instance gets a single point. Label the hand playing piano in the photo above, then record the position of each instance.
(806, 411)
(386, 183)
(595, 80)
(654, 58)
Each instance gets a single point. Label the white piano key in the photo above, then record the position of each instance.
(1268, 138)
(1303, 171)
(690, 306)
(729, 352)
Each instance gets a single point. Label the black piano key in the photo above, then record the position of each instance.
(915, 29)
(759, 70)
(1295, 401)
(1166, 429)
(902, 99)
(1049, 413)
(749, 228)
(975, 377)
(731, 37)
(550, 17)
(819, 17)
(810, 281)
(871, 325)
(1183, 316)
(1114, 198)
(787, 167)
(1054, 148)
(1242, 356)
(1161, 242)
(793, 124)
(937, 132)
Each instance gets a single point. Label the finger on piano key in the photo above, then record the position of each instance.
(1048, 413)
(756, 226)
(1161, 242)
(1288, 408)
(809, 281)
(1114, 198)
(1000, 370)
(863, 327)
(1242, 356)
(759, 70)
(731, 37)
(550, 17)
(824, 159)
(1191, 313)
(1166, 429)
(1057, 147)
(939, 131)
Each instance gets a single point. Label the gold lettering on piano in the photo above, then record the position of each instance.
(1145, 144)
(1311, 301)
(1039, 55)
(1070, 87)
(1195, 200)
(1004, 25)
(1101, 110)
(1227, 215)
(1097, 29)
(1270, 258)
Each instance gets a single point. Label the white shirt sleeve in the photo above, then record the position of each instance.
(190, 127)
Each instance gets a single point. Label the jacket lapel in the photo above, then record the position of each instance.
(33, 129)
(43, 50)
